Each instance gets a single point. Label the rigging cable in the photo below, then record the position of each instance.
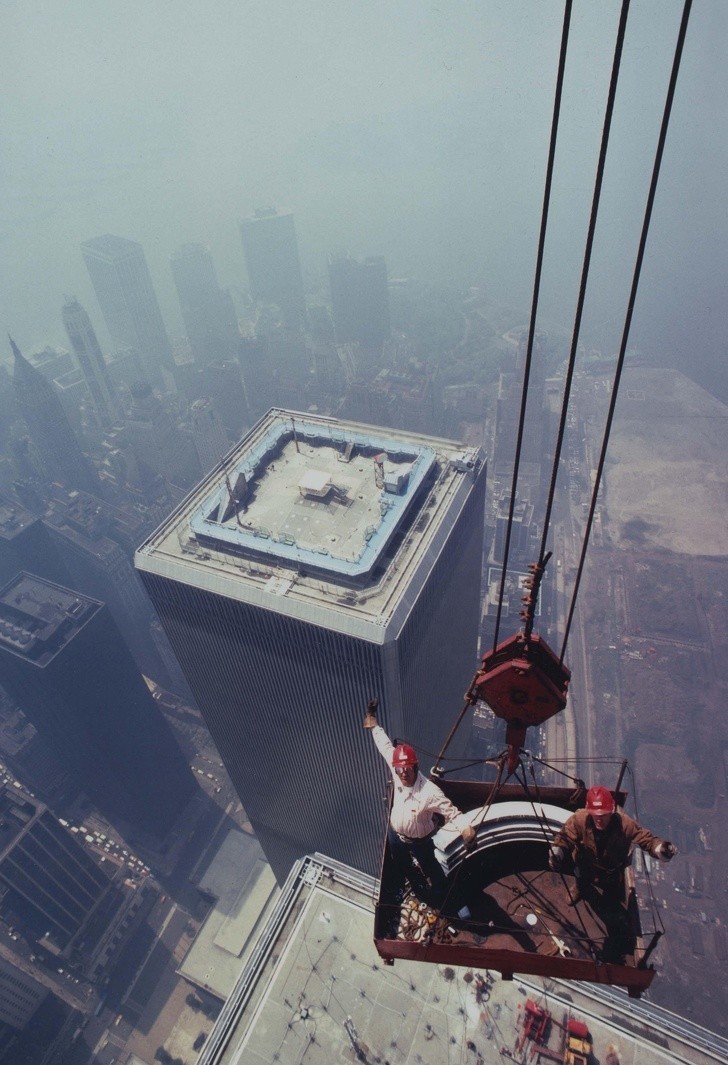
(630, 309)
(534, 306)
(585, 271)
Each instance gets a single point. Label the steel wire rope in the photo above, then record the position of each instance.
(630, 309)
(609, 110)
(534, 306)
(656, 917)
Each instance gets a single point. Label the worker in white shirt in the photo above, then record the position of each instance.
(412, 822)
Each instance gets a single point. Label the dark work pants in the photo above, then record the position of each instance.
(416, 862)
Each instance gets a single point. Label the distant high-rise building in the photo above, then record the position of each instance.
(93, 365)
(207, 310)
(49, 427)
(26, 545)
(158, 442)
(210, 439)
(327, 563)
(271, 256)
(360, 301)
(221, 383)
(102, 723)
(78, 529)
(50, 884)
(120, 277)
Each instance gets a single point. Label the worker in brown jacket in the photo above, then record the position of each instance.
(600, 840)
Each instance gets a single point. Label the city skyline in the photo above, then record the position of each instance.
(293, 439)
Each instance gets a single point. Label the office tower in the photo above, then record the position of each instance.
(360, 301)
(20, 995)
(207, 310)
(49, 428)
(64, 662)
(50, 883)
(93, 365)
(158, 442)
(327, 563)
(120, 277)
(222, 384)
(256, 371)
(99, 567)
(209, 437)
(26, 545)
(271, 257)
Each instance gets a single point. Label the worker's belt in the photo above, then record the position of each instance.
(416, 839)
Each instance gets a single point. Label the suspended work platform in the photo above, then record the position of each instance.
(505, 910)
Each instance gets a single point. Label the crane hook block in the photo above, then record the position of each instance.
(522, 681)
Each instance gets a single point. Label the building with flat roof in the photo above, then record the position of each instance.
(64, 662)
(49, 427)
(323, 563)
(242, 888)
(271, 258)
(123, 286)
(50, 884)
(360, 300)
(314, 990)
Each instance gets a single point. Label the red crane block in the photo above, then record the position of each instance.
(523, 682)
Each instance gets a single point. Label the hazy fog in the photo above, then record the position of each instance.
(416, 130)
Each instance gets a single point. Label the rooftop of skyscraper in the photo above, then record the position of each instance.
(13, 519)
(38, 618)
(315, 990)
(310, 512)
(109, 245)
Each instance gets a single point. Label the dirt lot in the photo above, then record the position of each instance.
(657, 594)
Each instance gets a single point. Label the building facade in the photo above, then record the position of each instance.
(360, 301)
(49, 428)
(120, 277)
(326, 563)
(207, 310)
(271, 257)
(65, 664)
(87, 350)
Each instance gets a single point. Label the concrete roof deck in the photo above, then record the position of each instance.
(386, 542)
(316, 991)
(347, 528)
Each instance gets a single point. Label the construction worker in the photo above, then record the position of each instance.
(599, 840)
(419, 807)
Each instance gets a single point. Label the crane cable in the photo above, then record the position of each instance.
(534, 306)
(630, 309)
(609, 110)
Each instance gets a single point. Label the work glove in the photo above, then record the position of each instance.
(556, 858)
(469, 835)
(666, 851)
(370, 718)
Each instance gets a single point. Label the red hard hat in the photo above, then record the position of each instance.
(599, 800)
(403, 755)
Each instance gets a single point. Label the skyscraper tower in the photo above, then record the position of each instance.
(50, 884)
(271, 256)
(360, 301)
(93, 366)
(207, 310)
(120, 277)
(326, 563)
(49, 428)
(101, 723)
(208, 435)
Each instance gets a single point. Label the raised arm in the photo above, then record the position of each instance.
(383, 743)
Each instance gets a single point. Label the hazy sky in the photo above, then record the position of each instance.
(417, 130)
